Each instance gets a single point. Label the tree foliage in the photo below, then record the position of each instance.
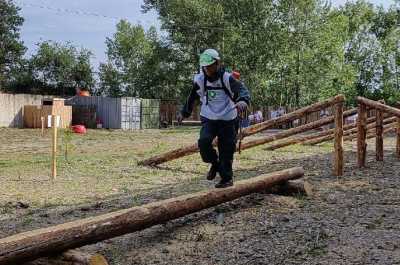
(11, 47)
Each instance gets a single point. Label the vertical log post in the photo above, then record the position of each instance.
(54, 147)
(361, 134)
(379, 135)
(398, 137)
(338, 157)
(42, 120)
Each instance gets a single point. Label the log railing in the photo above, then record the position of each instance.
(337, 102)
(381, 108)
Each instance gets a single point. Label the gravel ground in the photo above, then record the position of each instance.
(352, 220)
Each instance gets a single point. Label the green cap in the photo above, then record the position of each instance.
(208, 57)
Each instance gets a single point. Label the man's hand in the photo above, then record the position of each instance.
(241, 107)
(179, 117)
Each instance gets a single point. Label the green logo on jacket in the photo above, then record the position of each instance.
(211, 94)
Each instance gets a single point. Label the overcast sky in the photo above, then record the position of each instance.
(87, 23)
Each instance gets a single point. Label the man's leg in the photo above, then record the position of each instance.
(208, 133)
(226, 147)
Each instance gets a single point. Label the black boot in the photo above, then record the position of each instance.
(214, 169)
(224, 183)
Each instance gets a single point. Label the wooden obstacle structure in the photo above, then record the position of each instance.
(362, 130)
(43, 242)
(337, 102)
(349, 130)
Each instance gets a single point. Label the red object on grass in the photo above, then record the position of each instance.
(236, 75)
(79, 129)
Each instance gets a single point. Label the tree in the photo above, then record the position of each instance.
(11, 47)
(139, 64)
(62, 67)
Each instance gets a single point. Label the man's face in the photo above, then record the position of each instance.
(211, 70)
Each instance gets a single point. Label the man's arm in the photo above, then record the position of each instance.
(188, 107)
(240, 91)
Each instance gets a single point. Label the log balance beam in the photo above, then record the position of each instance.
(43, 242)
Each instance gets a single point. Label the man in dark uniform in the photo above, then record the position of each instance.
(222, 97)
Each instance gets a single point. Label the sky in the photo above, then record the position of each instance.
(87, 23)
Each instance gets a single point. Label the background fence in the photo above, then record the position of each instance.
(12, 106)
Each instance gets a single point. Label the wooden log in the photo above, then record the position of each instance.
(186, 123)
(338, 145)
(398, 138)
(371, 131)
(43, 242)
(293, 115)
(290, 132)
(188, 150)
(71, 257)
(379, 106)
(329, 134)
(361, 134)
(379, 135)
(348, 130)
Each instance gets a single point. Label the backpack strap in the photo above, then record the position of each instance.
(205, 88)
(226, 90)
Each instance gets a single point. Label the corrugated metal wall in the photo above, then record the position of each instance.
(108, 110)
(114, 113)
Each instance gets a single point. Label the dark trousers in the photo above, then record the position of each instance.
(226, 132)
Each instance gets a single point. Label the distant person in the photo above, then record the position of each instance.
(222, 98)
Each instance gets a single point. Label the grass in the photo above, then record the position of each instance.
(103, 164)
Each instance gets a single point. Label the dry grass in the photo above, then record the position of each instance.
(103, 164)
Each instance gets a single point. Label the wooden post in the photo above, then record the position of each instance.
(361, 134)
(379, 135)
(398, 138)
(54, 147)
(338, 155)
(42, 120)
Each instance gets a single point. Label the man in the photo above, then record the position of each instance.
(222, 97)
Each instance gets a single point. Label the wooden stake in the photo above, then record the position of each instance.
(379, 135)
(361, 134)
(338, 154)
(42, 120)
(54, 148)
(398, 138)
(34, 244)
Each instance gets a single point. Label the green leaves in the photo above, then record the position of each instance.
(62, 67)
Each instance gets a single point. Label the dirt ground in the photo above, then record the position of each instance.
(353, 220)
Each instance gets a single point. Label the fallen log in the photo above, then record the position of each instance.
(188, 150)
(43, 242)
(71, 257)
